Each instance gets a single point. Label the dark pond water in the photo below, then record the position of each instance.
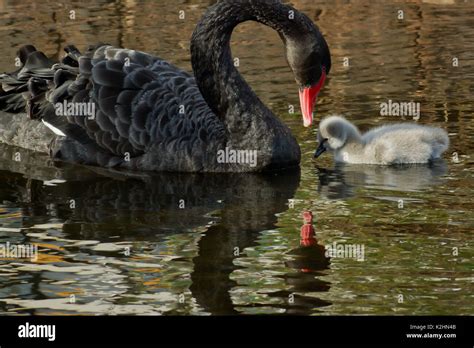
(111, 243)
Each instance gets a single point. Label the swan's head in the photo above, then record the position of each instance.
(309, 58)
(333, 134)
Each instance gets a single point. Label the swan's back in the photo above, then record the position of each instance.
(405, 143)
(149, 114)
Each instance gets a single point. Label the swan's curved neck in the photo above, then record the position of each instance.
(224, 89)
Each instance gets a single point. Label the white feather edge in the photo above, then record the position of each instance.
(56, 131)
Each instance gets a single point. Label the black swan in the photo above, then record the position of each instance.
(146, 114)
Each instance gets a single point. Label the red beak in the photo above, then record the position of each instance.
(308, 97)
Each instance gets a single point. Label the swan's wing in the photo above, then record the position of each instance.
(138, 100)
(109, 93)
(137, 97)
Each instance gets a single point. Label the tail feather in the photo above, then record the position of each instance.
(24, 52)
(27, 83)
(40, 83)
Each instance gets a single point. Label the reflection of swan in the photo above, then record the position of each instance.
(153, 116)
(310, 255)
(389, 144)
(229, 209)
(309, 261)
(341, 181)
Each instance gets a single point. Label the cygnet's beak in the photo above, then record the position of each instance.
(321, 149)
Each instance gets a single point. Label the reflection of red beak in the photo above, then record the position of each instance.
(308, 97)
(307, 217)
(307, 236)
(307, 230)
